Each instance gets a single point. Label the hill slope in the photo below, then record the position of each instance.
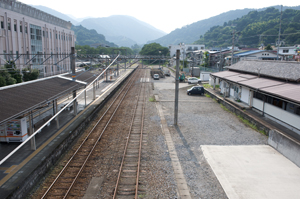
(256, 28)
(123, 30)
(190, 33)
(88, 37)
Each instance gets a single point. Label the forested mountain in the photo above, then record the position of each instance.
(88, 37)
(191, 33)
(256, 28)
(123, 30)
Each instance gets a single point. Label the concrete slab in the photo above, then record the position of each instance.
(94, 188)
(253, 172)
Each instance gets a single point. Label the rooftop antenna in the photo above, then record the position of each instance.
(258, 69)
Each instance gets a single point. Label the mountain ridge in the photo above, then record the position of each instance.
(112, 27)
(191, 33)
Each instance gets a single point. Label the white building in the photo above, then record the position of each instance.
(184, 49)
(34, 39)
(289, 52)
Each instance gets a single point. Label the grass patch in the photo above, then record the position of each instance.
(152, 99)
(224, 108)
(209, 86)
(253, 126)
(207, 95)
(206, 86)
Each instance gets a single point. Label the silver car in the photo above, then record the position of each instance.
(193, 80)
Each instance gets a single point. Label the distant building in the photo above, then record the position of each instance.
(289, 52)
(34, 39)
(184, 49)
(252, 55)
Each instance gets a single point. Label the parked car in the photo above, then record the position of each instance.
(156, 76)
(193, 80)
(195, 90)
(167, 73)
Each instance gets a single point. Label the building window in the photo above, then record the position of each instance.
(21, 29)
(285, 51)
(17, 54)
(32, 48)
(43, 33)
(55, 36)
(8, 26)
(38, 34)
(26, 30)
(50, 35)
(2, 24)
(15, 27)
(27, 54)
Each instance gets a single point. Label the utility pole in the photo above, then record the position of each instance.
(176, 88)
(279, 33)
(233, 37)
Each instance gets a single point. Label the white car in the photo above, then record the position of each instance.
(193, 80)
(156, 76)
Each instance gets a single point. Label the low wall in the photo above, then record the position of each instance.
(41, 170)
(286, 146)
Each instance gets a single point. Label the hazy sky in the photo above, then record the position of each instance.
(166, 15)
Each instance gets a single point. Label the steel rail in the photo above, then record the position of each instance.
(140, 148)
(126, 146)
(67, 164)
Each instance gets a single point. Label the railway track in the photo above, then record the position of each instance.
(127, 185)
(68, 181)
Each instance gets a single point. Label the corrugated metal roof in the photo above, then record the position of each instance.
(85, 76)
(224, 74)
(21, 98)
(240, 78)
(247, 53)
(288, 91)
(259, 83)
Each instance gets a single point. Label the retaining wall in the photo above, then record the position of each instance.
(286, 146)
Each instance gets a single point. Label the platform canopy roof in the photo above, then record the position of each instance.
(282, 70)
(17, 100)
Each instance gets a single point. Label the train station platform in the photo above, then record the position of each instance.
(20, 172)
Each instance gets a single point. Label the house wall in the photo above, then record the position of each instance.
(287, 119)
(245, 95)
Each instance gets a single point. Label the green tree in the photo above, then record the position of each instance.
(268, 47)
(30, 74)
(154, 49)
(6, 78)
